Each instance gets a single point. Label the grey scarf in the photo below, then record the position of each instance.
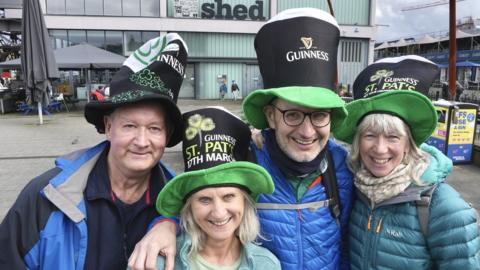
(379, 189)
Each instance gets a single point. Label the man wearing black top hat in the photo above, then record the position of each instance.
(296, 110)
(92, 208)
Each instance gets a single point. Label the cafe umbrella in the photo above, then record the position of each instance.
(38, 62)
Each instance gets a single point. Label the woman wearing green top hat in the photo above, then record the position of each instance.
(389, 228)
(215, 197)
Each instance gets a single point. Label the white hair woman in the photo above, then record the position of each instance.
(391, 227)
(391, 133)
(216, 196)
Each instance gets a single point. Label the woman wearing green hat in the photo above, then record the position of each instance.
(215, 197)
(405, 216)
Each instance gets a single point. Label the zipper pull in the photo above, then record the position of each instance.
(379, 226)
(369, 224)
(299, 214)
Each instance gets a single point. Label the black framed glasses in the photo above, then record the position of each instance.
(295, 118)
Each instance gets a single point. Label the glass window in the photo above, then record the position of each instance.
(76, 37)
(131, 7)
(96, 38)
(93, 7)
(75, 7)
(59, 38)
(55, 6)
(146, 36)
(113, 41)
(133, 41)
(112, 7)
(150, 8)
(98, 76)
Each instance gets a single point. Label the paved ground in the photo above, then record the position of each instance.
(28, 149)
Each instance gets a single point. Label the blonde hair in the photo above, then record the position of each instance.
(382, 123)
(247, 232)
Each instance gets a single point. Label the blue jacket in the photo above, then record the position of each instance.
(46, 228)
(253, 257)
(305, 239)
(389, 236)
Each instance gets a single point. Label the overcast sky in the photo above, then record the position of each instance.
(420, 21)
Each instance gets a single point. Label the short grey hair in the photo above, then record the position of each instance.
(247, 232)
(382, 123)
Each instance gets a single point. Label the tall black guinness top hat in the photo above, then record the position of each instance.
(397, 86)
(155, 71)
(297, 55)
(215, 151)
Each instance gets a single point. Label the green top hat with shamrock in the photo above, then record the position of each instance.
(155, 72)
(215, 152)
(297, 56)
(396, 86)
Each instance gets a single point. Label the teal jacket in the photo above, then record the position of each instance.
(389, 236)
(253, 257)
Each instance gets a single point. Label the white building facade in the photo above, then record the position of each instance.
(219, 33)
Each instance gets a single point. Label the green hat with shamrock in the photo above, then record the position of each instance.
(153, 72)
(216, 153)
(397, 86)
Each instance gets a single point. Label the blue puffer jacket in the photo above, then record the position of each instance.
(389, 235)
(305, 239)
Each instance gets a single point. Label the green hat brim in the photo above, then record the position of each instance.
(307, 96)
(252, 176)
(413, 108)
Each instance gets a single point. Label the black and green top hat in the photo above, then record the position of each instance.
(297, 55)
(215, 151)
(153, 72)
(397, 86)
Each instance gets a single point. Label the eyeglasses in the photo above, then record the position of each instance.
(295, 118)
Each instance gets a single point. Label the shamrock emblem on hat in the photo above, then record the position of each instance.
(383, 73)
(197, 124)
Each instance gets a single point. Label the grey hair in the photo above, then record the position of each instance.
(247, 232)
(381, 123)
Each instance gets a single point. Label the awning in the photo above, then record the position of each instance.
(464, 64)
(78, 56)
(467, 64)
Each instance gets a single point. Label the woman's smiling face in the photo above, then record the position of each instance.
(218, 211)
(382, 153)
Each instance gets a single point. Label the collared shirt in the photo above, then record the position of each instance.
(300, 185)
(114, 227)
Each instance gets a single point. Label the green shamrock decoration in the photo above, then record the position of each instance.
(197, 124)
(381, 74)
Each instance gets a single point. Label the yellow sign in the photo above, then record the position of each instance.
(463, 131)
(441, 130)
(63, 88)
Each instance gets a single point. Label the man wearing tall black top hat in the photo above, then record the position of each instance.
(297, 109)
(92, 208)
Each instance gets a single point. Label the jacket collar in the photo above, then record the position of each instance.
(99, 186)
(66, 189)
(411, 194)
(184, 242)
